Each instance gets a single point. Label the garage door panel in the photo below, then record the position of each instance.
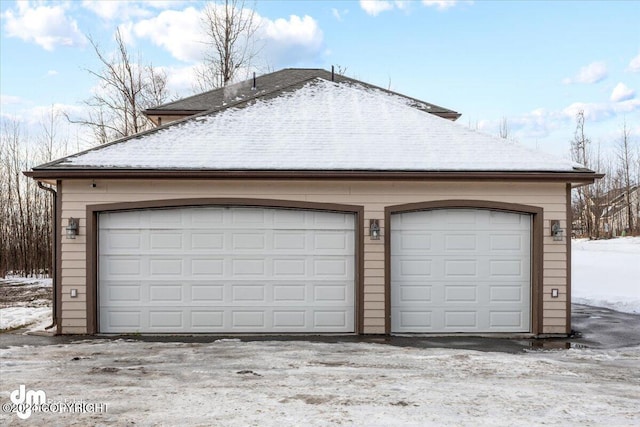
(206, 320)
(460, 242)
(122, 267)
(287, 267)
(248, 267)
(507, 242)
(242, 294)
(330, 319)
(221, 267)
(206, 241)
(213, 267)
(248, 319)
(289, 240)
(510, 293)
(207, 292)
(163, 240)
(289, 293)
(123, 292)
(414, 321)
(166, 319)
(162, 267)
(166, 293)
(506, 319)
(459, 266)
(411, 268)
(512, 268)
(416, 295)
(460, 320)
(243, 241)
(123, 320)
(328, 240)
(457, 294)
(329, 293)
(330, 268)
(286, 319)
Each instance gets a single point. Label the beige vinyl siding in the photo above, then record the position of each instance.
(374, 196)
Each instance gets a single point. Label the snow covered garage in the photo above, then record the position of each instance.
(306, 202)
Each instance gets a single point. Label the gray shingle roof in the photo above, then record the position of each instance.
(270, 84)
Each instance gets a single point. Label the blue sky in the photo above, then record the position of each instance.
(534, 63)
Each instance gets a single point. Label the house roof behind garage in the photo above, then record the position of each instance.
(217, 99)
(317, 125)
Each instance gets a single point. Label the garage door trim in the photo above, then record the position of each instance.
(92, 212)
(536, 249)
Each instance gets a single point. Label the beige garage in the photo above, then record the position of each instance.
(411, 223)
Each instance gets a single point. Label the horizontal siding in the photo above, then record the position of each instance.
(374, 196)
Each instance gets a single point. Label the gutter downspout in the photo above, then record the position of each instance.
(54, 244)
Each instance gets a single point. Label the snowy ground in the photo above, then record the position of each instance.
(232, 383)
(274, 383)
(606, 273)
(25, 302)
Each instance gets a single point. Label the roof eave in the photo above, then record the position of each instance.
(156, 112)
(578, 177)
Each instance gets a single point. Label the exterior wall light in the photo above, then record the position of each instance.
(374, 229)
(72, 228)
(556, 231)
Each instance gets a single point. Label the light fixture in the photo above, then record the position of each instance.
(72, 228)
(374, 229)
(556, 231)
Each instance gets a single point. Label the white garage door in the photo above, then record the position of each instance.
(226, 270)
(460, 270)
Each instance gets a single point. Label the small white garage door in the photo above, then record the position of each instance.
(226, 270)
(460, 270)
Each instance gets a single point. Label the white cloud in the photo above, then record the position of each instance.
(285, 41)
(291, 41)
(374, 7)
(52, 73)
(125, 10)
(10, 100)
(180, 80)
(179, 32)
(592, 73)
(622, 93)
(634, 64)
(47, 26)
(542, 123)
(440, 4)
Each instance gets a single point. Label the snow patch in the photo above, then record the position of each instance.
(606, 273)
(16, 317)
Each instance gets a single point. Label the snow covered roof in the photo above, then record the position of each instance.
(319, 125)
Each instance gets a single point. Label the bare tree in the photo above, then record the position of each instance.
(230, 31)
(126, 88)
(25, 210)
(624, 155)
(583, 197)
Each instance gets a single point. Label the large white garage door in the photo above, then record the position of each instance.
(226, 270)
(460, 270)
